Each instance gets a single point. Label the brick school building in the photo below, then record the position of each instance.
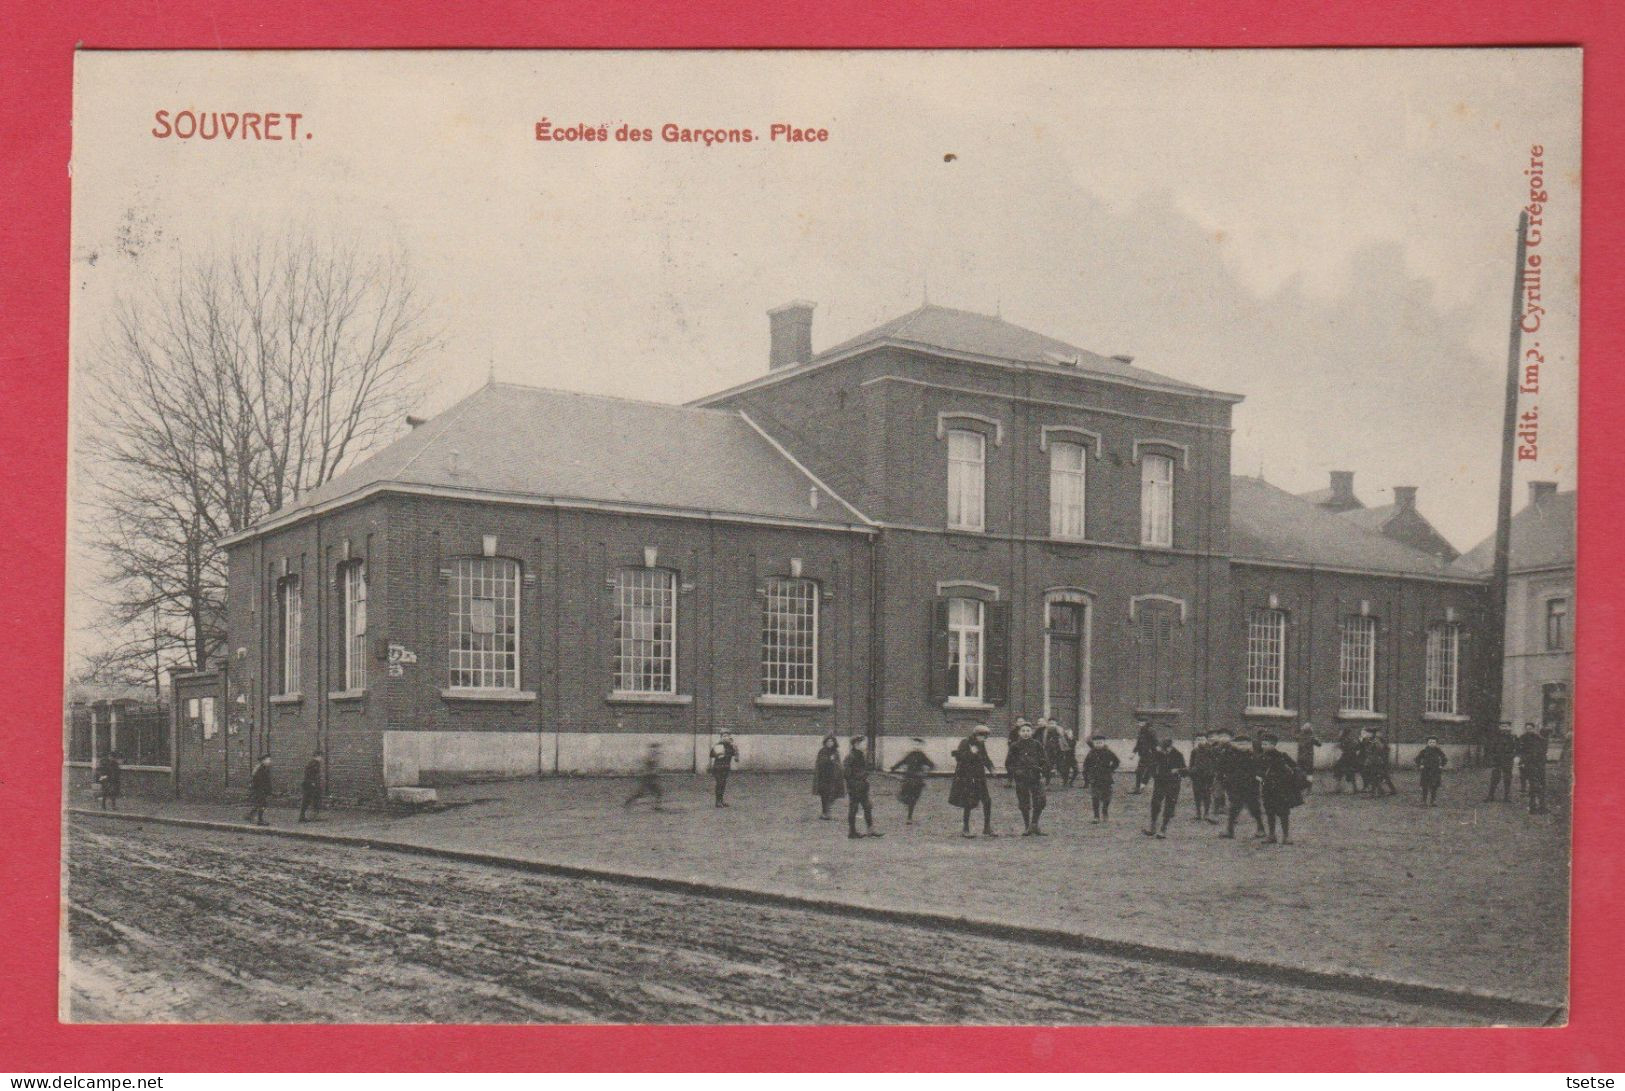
(947, 520)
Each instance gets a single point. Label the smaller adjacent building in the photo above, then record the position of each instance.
(1342, 624)
(1537, 680)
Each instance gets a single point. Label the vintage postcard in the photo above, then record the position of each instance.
(1004, 537)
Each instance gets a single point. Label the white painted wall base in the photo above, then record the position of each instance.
(411, 757)
(621, 752)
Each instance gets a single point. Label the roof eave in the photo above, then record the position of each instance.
(403, 488)
(825, 359)
(1354, 570)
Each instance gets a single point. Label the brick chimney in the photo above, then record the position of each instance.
(1405, 497)
(1541, 491)
(1342, 490)
(789, 334)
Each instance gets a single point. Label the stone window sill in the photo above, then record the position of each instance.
(1445, 717)
(962, 704)
(627, 697)
(287, 698)
(347, 695)
(772, 701)
(1270, 713)
(1359, 714)
(469, 693)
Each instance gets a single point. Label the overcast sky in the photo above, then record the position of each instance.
(1329, 233)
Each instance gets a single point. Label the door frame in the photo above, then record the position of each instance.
(1075, 596)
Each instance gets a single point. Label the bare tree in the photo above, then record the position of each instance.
(221, 397)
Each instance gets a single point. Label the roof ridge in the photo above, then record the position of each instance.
(908, 319)
(451, 416)
(810, 476)
(541, 389)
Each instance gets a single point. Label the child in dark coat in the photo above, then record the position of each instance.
(914, 766)
(1431, 760)
(969, 791)
(828, 781)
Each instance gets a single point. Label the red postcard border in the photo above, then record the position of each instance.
(36, 69)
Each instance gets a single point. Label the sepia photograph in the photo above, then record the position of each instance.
(951, 538)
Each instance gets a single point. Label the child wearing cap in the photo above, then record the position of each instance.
(723, 756)
(971, 767)
(1280, 787)
(1099, 766)
(1431, 760)
(857, 789)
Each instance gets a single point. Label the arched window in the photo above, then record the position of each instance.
(290, 619)
(645, 630)
(1443, 669)
(1357, 664)
(967, 465)
(1066, 489)
(965, 650)
(485, 623)
(355, 625)
(1156, 500)
(1266, 659)
(790, 638)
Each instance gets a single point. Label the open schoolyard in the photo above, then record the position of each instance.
(1467, 895)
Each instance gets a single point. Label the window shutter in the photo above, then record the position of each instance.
(996, 623)
(937, 650)
(1165, 658)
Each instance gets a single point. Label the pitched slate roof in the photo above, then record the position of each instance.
(968, 333)
(531, 442)
(1269, 523)
(1370, 518)
(1542, 537)
(1320, 496)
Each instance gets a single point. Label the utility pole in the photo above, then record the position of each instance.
(1495, 642)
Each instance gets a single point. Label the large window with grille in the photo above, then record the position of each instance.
(1266, 659)
(289, 611)
(485, 623)
(1156, 500)
(1357, 665)
(967, 458)
(355, 625)
(790, 639)
(1443, 669)
(646, 630)
(1066, 489)
(966, 645)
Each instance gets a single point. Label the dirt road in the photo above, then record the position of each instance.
(177, 925)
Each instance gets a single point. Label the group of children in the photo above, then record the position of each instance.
(1229, 774)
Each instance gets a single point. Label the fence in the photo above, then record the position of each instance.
(139, 731)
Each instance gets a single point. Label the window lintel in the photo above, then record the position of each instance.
(1167, 446)
(947, 415)
(1070, 432)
